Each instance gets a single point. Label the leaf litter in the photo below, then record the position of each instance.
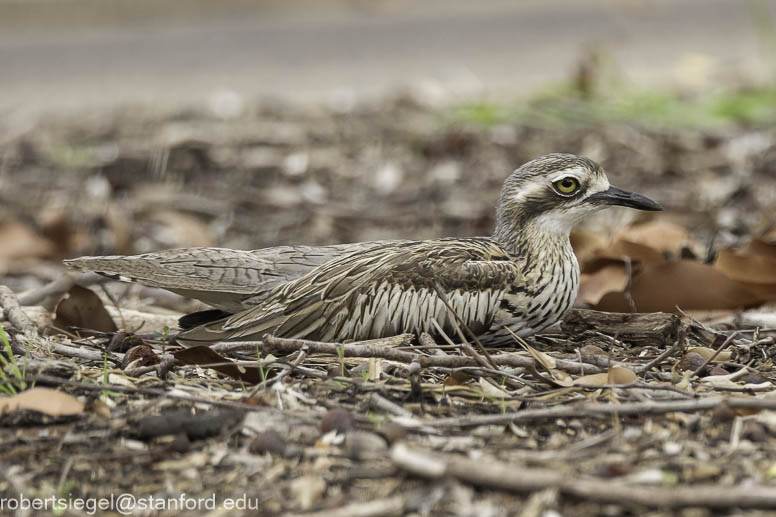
(665, 408)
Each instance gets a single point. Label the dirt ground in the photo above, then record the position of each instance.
(652, 413)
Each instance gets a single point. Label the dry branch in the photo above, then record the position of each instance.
(518, 478)
(60, 286)
(14, 313)
(605, 410)
(394, 505)
(382, 348)
(654, 329)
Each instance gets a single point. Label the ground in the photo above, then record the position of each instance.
(679, 419)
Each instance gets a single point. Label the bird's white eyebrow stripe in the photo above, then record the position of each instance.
(574, 172)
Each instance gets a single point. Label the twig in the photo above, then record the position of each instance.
(312, 416)
(605, 410)
(642, 370)
(721, 347)
(14, 313)
(394, 505)
(381, 349)
(85, 353)
(60, 286)
(377, 401)
(427, 341)
(288, 369)
(167, 362)
(518, 478)
(627, 292)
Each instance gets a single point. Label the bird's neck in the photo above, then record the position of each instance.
(533, 238)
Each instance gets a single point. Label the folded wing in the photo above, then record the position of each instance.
(385, 290)
(230, 280)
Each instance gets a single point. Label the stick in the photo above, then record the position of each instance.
(394, 505)
(381, 349)
(642, 370)
(15, 314)
(60, 286)
(518, 478)
(605, 410)
(723, 346)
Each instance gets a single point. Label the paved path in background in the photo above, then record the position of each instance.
(504, 48)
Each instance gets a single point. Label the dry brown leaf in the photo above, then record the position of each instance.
(546, 361)
(706, 353)
(658, 235)
(456, 379)
(490, 390)
(610, 278)
(82, 308)
(755, 263)
(586, 243)
(20, 241)
(615, 375)
(686, 284)
(622, 249)
(43, 400)
(66, 237)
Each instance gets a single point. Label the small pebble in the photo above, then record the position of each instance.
(269, 441)
(753, 378)
(691, 361)
(754, 432)
(723, 414)
(392, 432)
(360, 445)
(717, 370)
(337, 419)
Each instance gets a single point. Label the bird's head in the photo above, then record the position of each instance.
(553, 193)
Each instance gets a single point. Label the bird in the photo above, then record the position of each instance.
(518, 281)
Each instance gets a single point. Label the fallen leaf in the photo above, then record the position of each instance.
(706, 353)
(58, 227)
(755, 263)
(657, 235)
(610, 278)
(686, 284)
(615, 375)
(622, 249)
(20, 241)
(546, 361)
(585, 244)
(82, 308)
(490, 390)
(43, 400)
(456, 379)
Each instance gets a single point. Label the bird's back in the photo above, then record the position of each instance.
(384, 290)
(231, 280)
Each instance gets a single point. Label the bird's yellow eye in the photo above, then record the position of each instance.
(566, 186)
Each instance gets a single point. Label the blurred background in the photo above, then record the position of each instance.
(130, 126)
(88, 53)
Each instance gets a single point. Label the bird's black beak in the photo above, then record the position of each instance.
(619, 197)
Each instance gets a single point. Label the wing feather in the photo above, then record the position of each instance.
(349, 293)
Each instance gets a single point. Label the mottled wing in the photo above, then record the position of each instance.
(382, 291)
(231, 280)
